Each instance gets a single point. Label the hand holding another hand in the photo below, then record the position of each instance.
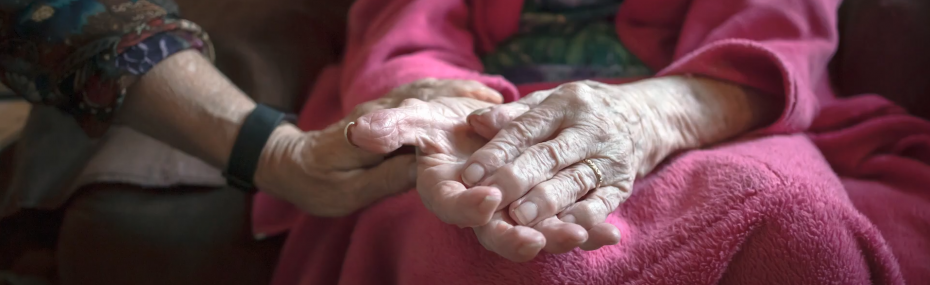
(558, 161)
(320, 172)
(445, 141)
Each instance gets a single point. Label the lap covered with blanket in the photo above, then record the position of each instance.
(768, 210)
(777, 208)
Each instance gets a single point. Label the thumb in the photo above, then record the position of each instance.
(395, 175)
(386, 130)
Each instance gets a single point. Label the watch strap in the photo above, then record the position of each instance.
(251, 140)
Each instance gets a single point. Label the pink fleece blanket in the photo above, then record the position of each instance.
(762, 211)
(845, 203)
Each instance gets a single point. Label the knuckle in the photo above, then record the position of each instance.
(521, 129)
(608, 201)
(497, 153)
(620, 172)
(508, 172)
(598, 129)
(601, 134)
(442, 206)
(550, 197)
(411, 102)
(504, 114)
(536, 97)
(543, 114)
(574, 86)
(585, 211)
(551, 203)
(552, 151)
(581, 102)
(580, 180)
(594, 84)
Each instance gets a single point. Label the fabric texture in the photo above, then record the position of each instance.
(257, 47)
(78, 55)
(562, 41)
(766, 209)
(882, 157)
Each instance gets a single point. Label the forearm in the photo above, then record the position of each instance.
(187, 103)
(691, 112)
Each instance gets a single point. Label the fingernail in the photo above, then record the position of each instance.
(481, 111)
(529, 248)
(490, 202)
(473, 173)
(527, 212)
(569, 219)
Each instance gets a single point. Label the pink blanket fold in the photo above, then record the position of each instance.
(882, 157)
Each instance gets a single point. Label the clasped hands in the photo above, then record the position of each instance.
(542, 173)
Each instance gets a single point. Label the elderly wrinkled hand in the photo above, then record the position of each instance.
(558, 161)
(320, 172)
(572, 153)
(444, 141)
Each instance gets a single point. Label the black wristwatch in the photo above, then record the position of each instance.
(254, 134)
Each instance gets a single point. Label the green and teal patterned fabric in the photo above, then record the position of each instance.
(564, 40)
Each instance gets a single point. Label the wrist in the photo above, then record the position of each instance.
(681, 113)
(652, 137)
(281, 158)
(713, 111)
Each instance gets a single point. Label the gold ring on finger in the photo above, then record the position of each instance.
(597, 172)
(345, 132)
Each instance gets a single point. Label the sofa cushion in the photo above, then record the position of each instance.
(273, 50)
(885, 49)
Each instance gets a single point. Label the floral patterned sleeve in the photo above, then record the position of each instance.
(81, 55)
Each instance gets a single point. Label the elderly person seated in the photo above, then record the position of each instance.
(547, 171)
(598, 94)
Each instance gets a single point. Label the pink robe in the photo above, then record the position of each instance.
(766, 209)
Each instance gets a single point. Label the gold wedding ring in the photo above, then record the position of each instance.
(597, 172)
(345, 133)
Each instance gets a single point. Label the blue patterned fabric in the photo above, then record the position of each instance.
(81, 55)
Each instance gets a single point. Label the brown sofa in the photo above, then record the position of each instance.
(885, 49)
(121, 234)
(124, 234)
